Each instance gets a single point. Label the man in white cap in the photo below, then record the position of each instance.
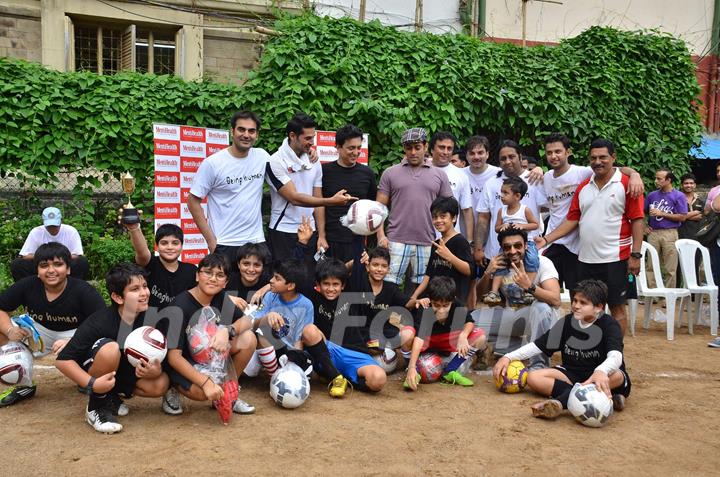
(52, 230)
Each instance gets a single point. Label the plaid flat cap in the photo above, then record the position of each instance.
(414, 135)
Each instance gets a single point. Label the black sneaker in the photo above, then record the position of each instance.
(116, 405)
(102, 420)
(618, 402)
(16, 394)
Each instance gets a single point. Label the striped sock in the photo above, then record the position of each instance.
(458, 360)
(268, 359)
(406, 355)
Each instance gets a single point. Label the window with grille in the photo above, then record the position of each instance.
(108, 49)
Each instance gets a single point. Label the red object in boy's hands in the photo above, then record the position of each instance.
(224, 404)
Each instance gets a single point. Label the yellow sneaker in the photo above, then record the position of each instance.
(338, 386)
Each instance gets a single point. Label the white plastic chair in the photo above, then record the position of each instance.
(687, 251)
(671, 295)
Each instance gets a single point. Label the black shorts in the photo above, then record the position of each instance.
(341, 250)
(566, 264)
(125, 377)
(578, 377)
(282, 244)
(613, 274)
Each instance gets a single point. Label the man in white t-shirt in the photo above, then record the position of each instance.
(545, 287)
(560, 184)
(52, 230)
(232, 181)
(296, 188)
(510, 156)
(442, 145)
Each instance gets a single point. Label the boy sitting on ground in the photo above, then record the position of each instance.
(438, 329)
(93, 358)
(56, 302)
(253, 276)
(591, 344)
(236, 335)
(290, 317)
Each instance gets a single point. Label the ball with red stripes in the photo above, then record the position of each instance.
(146, 343)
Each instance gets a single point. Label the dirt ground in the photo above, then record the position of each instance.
(669, 427)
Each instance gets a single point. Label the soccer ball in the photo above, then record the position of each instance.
(589, 405)
(387, 360)
(145, 343)
(365, 217)
(515, 378)
(430, 367)
(289, 387)
(16, 364)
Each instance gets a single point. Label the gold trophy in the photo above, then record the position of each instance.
(129, 213)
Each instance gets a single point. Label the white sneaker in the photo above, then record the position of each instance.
(715, 343)
(103, 421)
(117, 406)
(171, 402)
(241, 407)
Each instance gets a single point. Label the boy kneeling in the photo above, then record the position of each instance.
(591, 344)
(93, 359)
(444, 336)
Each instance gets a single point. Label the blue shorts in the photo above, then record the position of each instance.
(348, 361)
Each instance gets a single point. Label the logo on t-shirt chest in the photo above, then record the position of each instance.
(244, 179)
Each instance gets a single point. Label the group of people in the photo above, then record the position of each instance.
(311, 292)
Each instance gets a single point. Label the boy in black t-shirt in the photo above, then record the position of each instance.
(93, 359)
(253, 276)
(451, 254)
(236, 334)
(56, 302)
(446, 327)
(167, 275)
(591, 344)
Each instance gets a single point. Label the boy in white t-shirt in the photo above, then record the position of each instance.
(514, 213)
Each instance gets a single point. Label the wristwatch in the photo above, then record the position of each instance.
(89, 388)
(637, 255)
(531, 290)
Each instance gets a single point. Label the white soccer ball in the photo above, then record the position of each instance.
(145, 343)
(289, 387)
(589, 405)
(16, 364)
(387, 360)
(365, 217)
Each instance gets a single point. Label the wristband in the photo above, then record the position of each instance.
(91, 382)
(231, 332)
(205, 382)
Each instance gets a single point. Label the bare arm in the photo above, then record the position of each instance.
(635, 186)
(638, 229)
(290, 194)
(320, 221)
(562, 230)
(201, 221)
(142, 251)
(548, 292)
(420, 288)
(469, 217)
(481, 235)
(384, 199)
(498, 222)
(532, 223)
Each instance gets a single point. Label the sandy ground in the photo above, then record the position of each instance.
(669, 427)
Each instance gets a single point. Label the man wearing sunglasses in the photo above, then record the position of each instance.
(545, 287)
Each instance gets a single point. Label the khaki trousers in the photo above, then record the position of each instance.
(664, 242)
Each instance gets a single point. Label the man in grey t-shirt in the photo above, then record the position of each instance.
(409, 189)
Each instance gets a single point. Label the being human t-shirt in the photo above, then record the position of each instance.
(439, 267)
(164, 285)
(77, 301)
(559, 192)
(234, 188)
(582, 350)
(359, 181)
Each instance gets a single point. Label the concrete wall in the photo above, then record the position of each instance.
(690, 20)
(228, 56)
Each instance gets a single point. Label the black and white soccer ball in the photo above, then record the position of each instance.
(387, 360)
(289, 387)
(589, 405)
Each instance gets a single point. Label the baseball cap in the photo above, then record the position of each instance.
(414, 135)
(51, 216)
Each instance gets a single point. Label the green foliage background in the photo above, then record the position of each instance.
(636, 88)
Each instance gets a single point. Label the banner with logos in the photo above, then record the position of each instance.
(325, 145)
(178, 152)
